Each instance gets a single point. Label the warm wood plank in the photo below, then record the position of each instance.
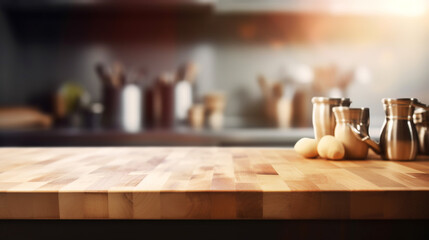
(206, 183)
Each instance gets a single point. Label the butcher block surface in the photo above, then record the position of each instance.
(206, 183)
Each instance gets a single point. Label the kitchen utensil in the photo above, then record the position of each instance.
(102, 74)
(118, 75)
(323, 118)
(363, 135)
(358, 118)
(421, 120)
(187, 72)
(398, 140)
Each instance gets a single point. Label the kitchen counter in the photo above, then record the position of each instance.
(206, 183)
(180, 136)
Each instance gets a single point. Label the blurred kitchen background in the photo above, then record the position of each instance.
(200, 72)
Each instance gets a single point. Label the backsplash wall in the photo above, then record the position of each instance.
(7, 50)
(44, 50)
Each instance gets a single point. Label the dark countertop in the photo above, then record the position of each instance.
(155, 137)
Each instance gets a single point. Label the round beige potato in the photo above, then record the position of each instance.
(306, 147)
(331, 148)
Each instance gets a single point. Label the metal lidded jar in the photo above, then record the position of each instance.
(358, 118)
(398, 139)
(421, 120)
(323, 117)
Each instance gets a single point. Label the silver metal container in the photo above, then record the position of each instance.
(421, 120)
(323, 117)
(398, 140)
(357, 118)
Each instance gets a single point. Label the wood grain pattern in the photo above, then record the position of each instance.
(206, 183)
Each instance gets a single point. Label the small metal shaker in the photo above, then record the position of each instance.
(398, 140)
(421, 120)
(323, 117)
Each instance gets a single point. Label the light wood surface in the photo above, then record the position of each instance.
(206, 183)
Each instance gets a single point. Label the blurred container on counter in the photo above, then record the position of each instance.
(299, 79)
(159, 102)
(358, 118)
(122, 98)
(398, 138)
(149, 106)
(94, 115)
(214, 103)
(278, 103)
(112, 88)
(286, 101)
(183, 91)
(273, 103)
(131, 110)
(196, 116)
(421, 119)
(323, 116)
(112, 103)
(70, 102)
(167, 100)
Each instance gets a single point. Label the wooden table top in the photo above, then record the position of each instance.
(206, 183)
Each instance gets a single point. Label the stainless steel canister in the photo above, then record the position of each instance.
(398, 140)
(323, 117)
(359, 119)
(421, 120)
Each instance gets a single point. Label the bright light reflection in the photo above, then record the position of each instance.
(380, 7)
(358, 7)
